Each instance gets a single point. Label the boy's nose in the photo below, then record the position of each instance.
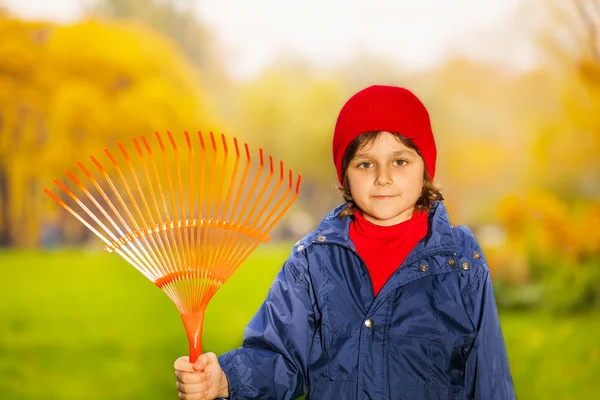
(383, 177)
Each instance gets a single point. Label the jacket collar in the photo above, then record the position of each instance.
(439, 238)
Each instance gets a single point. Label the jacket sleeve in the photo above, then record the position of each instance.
(487, 374)
(272, 362)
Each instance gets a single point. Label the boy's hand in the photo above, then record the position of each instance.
(202, 380)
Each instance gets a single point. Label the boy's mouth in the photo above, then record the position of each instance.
(383, 197)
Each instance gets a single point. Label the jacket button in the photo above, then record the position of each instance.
(466, 265)
(300, 248)
(423, 268)
(321, 238)
(476, 255)
(369, 323)
(452, 262)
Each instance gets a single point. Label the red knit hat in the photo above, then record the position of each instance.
(384, 108)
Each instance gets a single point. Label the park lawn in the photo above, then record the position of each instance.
(80, 324)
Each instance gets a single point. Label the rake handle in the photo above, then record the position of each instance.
(193, 323)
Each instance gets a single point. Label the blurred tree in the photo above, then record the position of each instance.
(291, 112)
(567, 158)
(177, 20)
(561, 244)
(68, 91)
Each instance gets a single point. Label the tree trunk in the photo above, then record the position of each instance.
(6, 239)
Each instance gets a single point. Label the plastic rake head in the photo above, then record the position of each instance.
(185, 217)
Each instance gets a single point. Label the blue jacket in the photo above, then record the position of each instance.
(431, 333)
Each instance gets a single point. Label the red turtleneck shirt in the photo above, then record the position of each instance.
(384, 248)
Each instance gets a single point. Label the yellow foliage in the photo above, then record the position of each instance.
(546, 227)
(69, 91)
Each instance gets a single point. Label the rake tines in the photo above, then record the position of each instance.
(185, 229)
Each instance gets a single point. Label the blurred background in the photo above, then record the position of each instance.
(513, 89)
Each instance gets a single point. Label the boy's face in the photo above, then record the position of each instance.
(386, 180)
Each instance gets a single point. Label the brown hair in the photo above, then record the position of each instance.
(430, 192)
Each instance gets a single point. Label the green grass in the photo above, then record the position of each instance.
(553, 358)
(76, 324)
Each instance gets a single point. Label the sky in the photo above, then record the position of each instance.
(412, 34)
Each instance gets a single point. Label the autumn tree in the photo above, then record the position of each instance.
(568, 149)
(290, 111)
(68, 91)
(179, 21)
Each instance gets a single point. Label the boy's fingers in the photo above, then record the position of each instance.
(191, 377)
(195, 396)
(204, 360)
(183, 364)
(201, 363)
(193, 388)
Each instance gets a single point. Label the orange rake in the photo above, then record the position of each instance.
(187, 239)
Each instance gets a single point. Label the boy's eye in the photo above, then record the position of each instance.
(400, 162)
(364, 164)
